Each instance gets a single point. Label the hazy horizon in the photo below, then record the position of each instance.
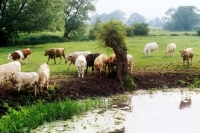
(148, 9)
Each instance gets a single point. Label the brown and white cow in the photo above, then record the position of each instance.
(20, 55)
(54, 53)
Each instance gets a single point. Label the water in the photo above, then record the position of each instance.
(160, 112)
(165, 112)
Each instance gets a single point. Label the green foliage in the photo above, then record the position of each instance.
(195, 84)
(198, 32)
(112, 32)
(77, 14)
(93, 29)
(140, 29)
(129, 82)
(182, 19)
(30, 117)
(26, 16)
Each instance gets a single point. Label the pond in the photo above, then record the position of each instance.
(175, 111)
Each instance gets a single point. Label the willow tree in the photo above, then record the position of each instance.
(113, 34)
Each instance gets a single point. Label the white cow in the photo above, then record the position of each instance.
(73, 56)
(130, 62)
(14, 66)
(100, 63)
(25, 79)
(44, 76)
(171, 48)
(81, 63)
(150, 47)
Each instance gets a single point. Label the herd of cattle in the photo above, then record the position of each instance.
(82, 60)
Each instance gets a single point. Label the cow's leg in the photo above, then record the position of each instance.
(92, 70)
(48, 60)
(69, 65)
(54, 60)
(60, 59)
(86, 69)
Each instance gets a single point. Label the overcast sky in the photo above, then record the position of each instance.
(146, 8)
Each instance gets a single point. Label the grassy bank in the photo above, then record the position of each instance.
(27, 118)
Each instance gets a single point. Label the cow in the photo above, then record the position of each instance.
(100, 64)
(80, 64)
(54, 53)
(90, 61)
(171, 48)
(14, 66)
(130, 62)
(44, 76)
(25, 79)
(111, 62)
(20, 55)
(187, 54)
(150, 47)
(73, 56)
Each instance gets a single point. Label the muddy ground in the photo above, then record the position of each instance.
(95, 86)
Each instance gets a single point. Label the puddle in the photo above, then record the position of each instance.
(166, 112)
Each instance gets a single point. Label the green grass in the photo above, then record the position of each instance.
(28, 118)
(154, 62)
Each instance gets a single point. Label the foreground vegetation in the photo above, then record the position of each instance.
(28, 118)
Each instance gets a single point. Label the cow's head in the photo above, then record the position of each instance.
(46, 52)
(9, 56)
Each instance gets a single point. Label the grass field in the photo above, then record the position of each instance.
(154, 62)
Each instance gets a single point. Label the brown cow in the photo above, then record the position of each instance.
(187, 55)
(20, 55)
(53, 53)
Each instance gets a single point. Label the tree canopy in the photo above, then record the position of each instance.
(184, 18)
(76, 12)
(135, 18)
(26, 16)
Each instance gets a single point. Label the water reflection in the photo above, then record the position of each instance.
(185, 102)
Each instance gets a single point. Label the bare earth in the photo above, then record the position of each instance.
(96, 86)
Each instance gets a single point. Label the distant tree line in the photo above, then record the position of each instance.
(72, 18)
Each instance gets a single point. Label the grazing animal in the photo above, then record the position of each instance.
(80, 65)
(130, 62)
(100, 63)
(20, 55)
(90, 61)
(150, 47)
(187, 55)
(44, 76)
(171, 48)
(14, 66)
(54, 53)
(73, 56)
(25, 79)
(111, 62)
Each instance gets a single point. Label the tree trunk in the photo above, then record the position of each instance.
(121, 66)
(66, 34)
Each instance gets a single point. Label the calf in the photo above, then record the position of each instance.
(171, 48)
(80, 65)
(73, 56)
(150, 47)
(111, 63)
(20, 55)
(44, 76)
(54, 53)
(187, 55)
(25, 79)
(90, 61)
(100, 63)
